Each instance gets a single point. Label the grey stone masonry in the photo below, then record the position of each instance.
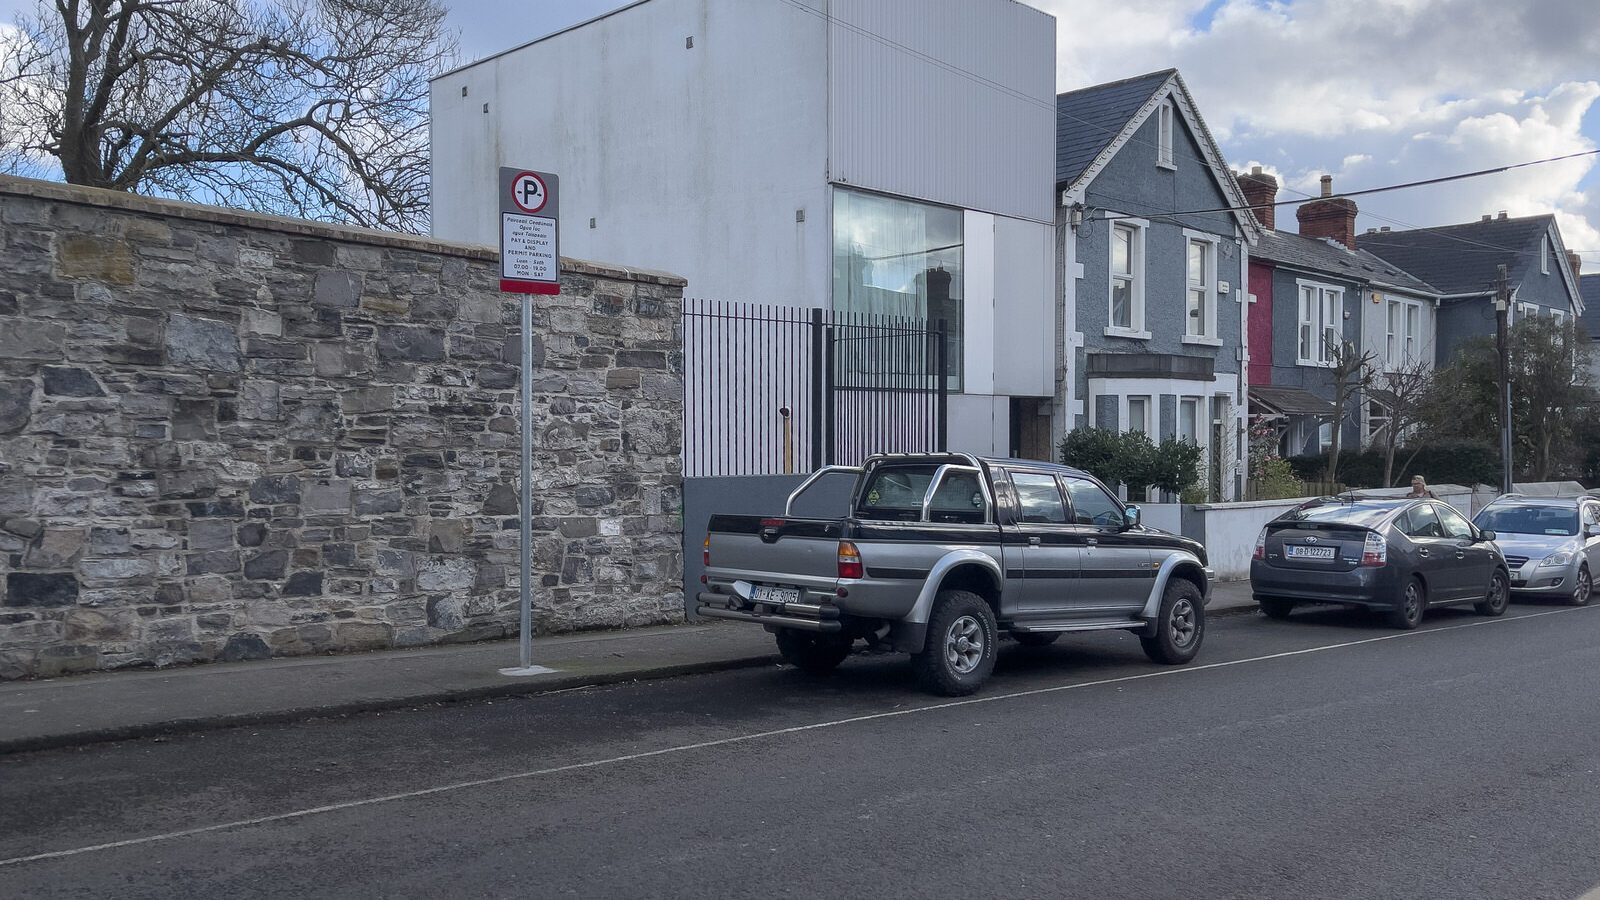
(226, 436)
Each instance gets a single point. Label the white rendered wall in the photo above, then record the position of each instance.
(693, 160)
(976, 129)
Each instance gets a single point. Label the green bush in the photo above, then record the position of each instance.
(1131, 458)
(1457, 462)
(1275, 480)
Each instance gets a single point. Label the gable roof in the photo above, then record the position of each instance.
(1463, 259)
(1089, 119)
(1093, 123)
(1290, 249)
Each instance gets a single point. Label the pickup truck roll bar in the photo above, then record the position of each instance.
(788, 506)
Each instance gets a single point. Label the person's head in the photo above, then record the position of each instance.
(1418, 484)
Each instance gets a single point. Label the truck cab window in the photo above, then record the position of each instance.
(959, 498)
(1039, 499)
(1093, 506)
(895, 493)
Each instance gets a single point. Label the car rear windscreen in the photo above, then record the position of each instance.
(1334, 512)
(1547, 520)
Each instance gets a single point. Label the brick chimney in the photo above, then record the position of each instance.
(1260, 191)
(1574, 261)
(1329, 218)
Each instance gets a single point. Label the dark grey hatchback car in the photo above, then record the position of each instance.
(1397, 556)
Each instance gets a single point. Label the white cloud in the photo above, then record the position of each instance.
(1375, 93)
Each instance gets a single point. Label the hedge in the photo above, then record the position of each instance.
(1465, 463)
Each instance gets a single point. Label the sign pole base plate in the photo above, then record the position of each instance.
(527, 671)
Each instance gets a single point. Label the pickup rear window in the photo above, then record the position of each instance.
(895, 493)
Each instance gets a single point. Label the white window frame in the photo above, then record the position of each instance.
(1165, 128)
(1208, 322)
(1200, 418)
(1125, 415)
(1385, 420)
(1136, 314)
(1402, 347)
(1527, 311)
(1327, 302)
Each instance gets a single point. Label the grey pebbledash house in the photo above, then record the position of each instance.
(1154, 241)
(1462, 262)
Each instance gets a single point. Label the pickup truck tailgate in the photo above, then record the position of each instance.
(774, 550)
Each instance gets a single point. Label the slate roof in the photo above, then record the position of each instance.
(1089, 119)
(1290, 401)
(1290, 249)
(1589, 287)
(1462, 259)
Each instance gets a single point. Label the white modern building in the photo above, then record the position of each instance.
(885, 156)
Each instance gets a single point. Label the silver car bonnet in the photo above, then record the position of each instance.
(1535, 546)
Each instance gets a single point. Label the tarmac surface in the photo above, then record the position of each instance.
(1325, 756)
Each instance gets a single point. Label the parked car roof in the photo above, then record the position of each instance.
(1364, 512)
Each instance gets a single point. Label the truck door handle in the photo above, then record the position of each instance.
(1033, 541)
(1461, 554)
(1422, 552)
(1092, 541)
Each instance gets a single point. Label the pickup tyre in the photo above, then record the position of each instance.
(939, 554)
(814, 654)
(961, 645)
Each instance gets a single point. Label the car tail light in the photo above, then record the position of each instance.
(1261, 545)
(1375, 552)
(850, 561)
(705, 555)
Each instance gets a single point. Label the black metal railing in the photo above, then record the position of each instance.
(776, 389)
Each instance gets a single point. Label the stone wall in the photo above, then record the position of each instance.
(228, 436)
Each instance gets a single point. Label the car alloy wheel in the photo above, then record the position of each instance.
(1585, 588)
(963, 644)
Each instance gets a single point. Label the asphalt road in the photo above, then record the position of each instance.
(1326, 756)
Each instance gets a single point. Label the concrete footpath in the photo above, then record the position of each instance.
(108, 706)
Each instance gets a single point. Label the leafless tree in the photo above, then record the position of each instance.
(311, 108)
(1405, 393)
(1352, 373)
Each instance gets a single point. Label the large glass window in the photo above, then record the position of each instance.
(894, 257)
(1321, 323)
(1198, 305)
(1125, 313)
(1039, 499)
(1091, 505)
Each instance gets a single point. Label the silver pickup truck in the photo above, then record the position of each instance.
(939, 553)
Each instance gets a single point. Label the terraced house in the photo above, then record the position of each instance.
(1315, 295)
(1154, 240)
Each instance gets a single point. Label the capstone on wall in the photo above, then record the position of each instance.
(226, 436)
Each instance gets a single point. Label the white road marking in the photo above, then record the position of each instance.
(744, 738)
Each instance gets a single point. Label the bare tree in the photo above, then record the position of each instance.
(1352, 372)
(1405, 393)
(312, 108)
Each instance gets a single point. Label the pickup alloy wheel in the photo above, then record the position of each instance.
(960, 647)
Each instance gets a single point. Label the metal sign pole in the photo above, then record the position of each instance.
(529, 265)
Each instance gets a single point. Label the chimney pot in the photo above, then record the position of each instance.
(1255, 170)
(1327, 185)
(1487, 217)
(1502, 214)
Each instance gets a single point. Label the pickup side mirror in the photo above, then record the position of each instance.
(1485, 534)
(1130, 517)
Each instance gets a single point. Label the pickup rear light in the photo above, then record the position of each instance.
(1261, 545)
(705, 554)
(1375, 552)
(850, 561)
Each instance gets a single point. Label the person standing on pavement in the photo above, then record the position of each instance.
(1420, 490)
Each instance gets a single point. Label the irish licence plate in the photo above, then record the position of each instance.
(1295, 552)
(766, 594)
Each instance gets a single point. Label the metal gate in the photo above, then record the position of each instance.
(776, 389)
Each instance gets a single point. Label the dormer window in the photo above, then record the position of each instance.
(1164, 134)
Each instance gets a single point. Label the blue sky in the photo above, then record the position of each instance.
(1372, 92)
